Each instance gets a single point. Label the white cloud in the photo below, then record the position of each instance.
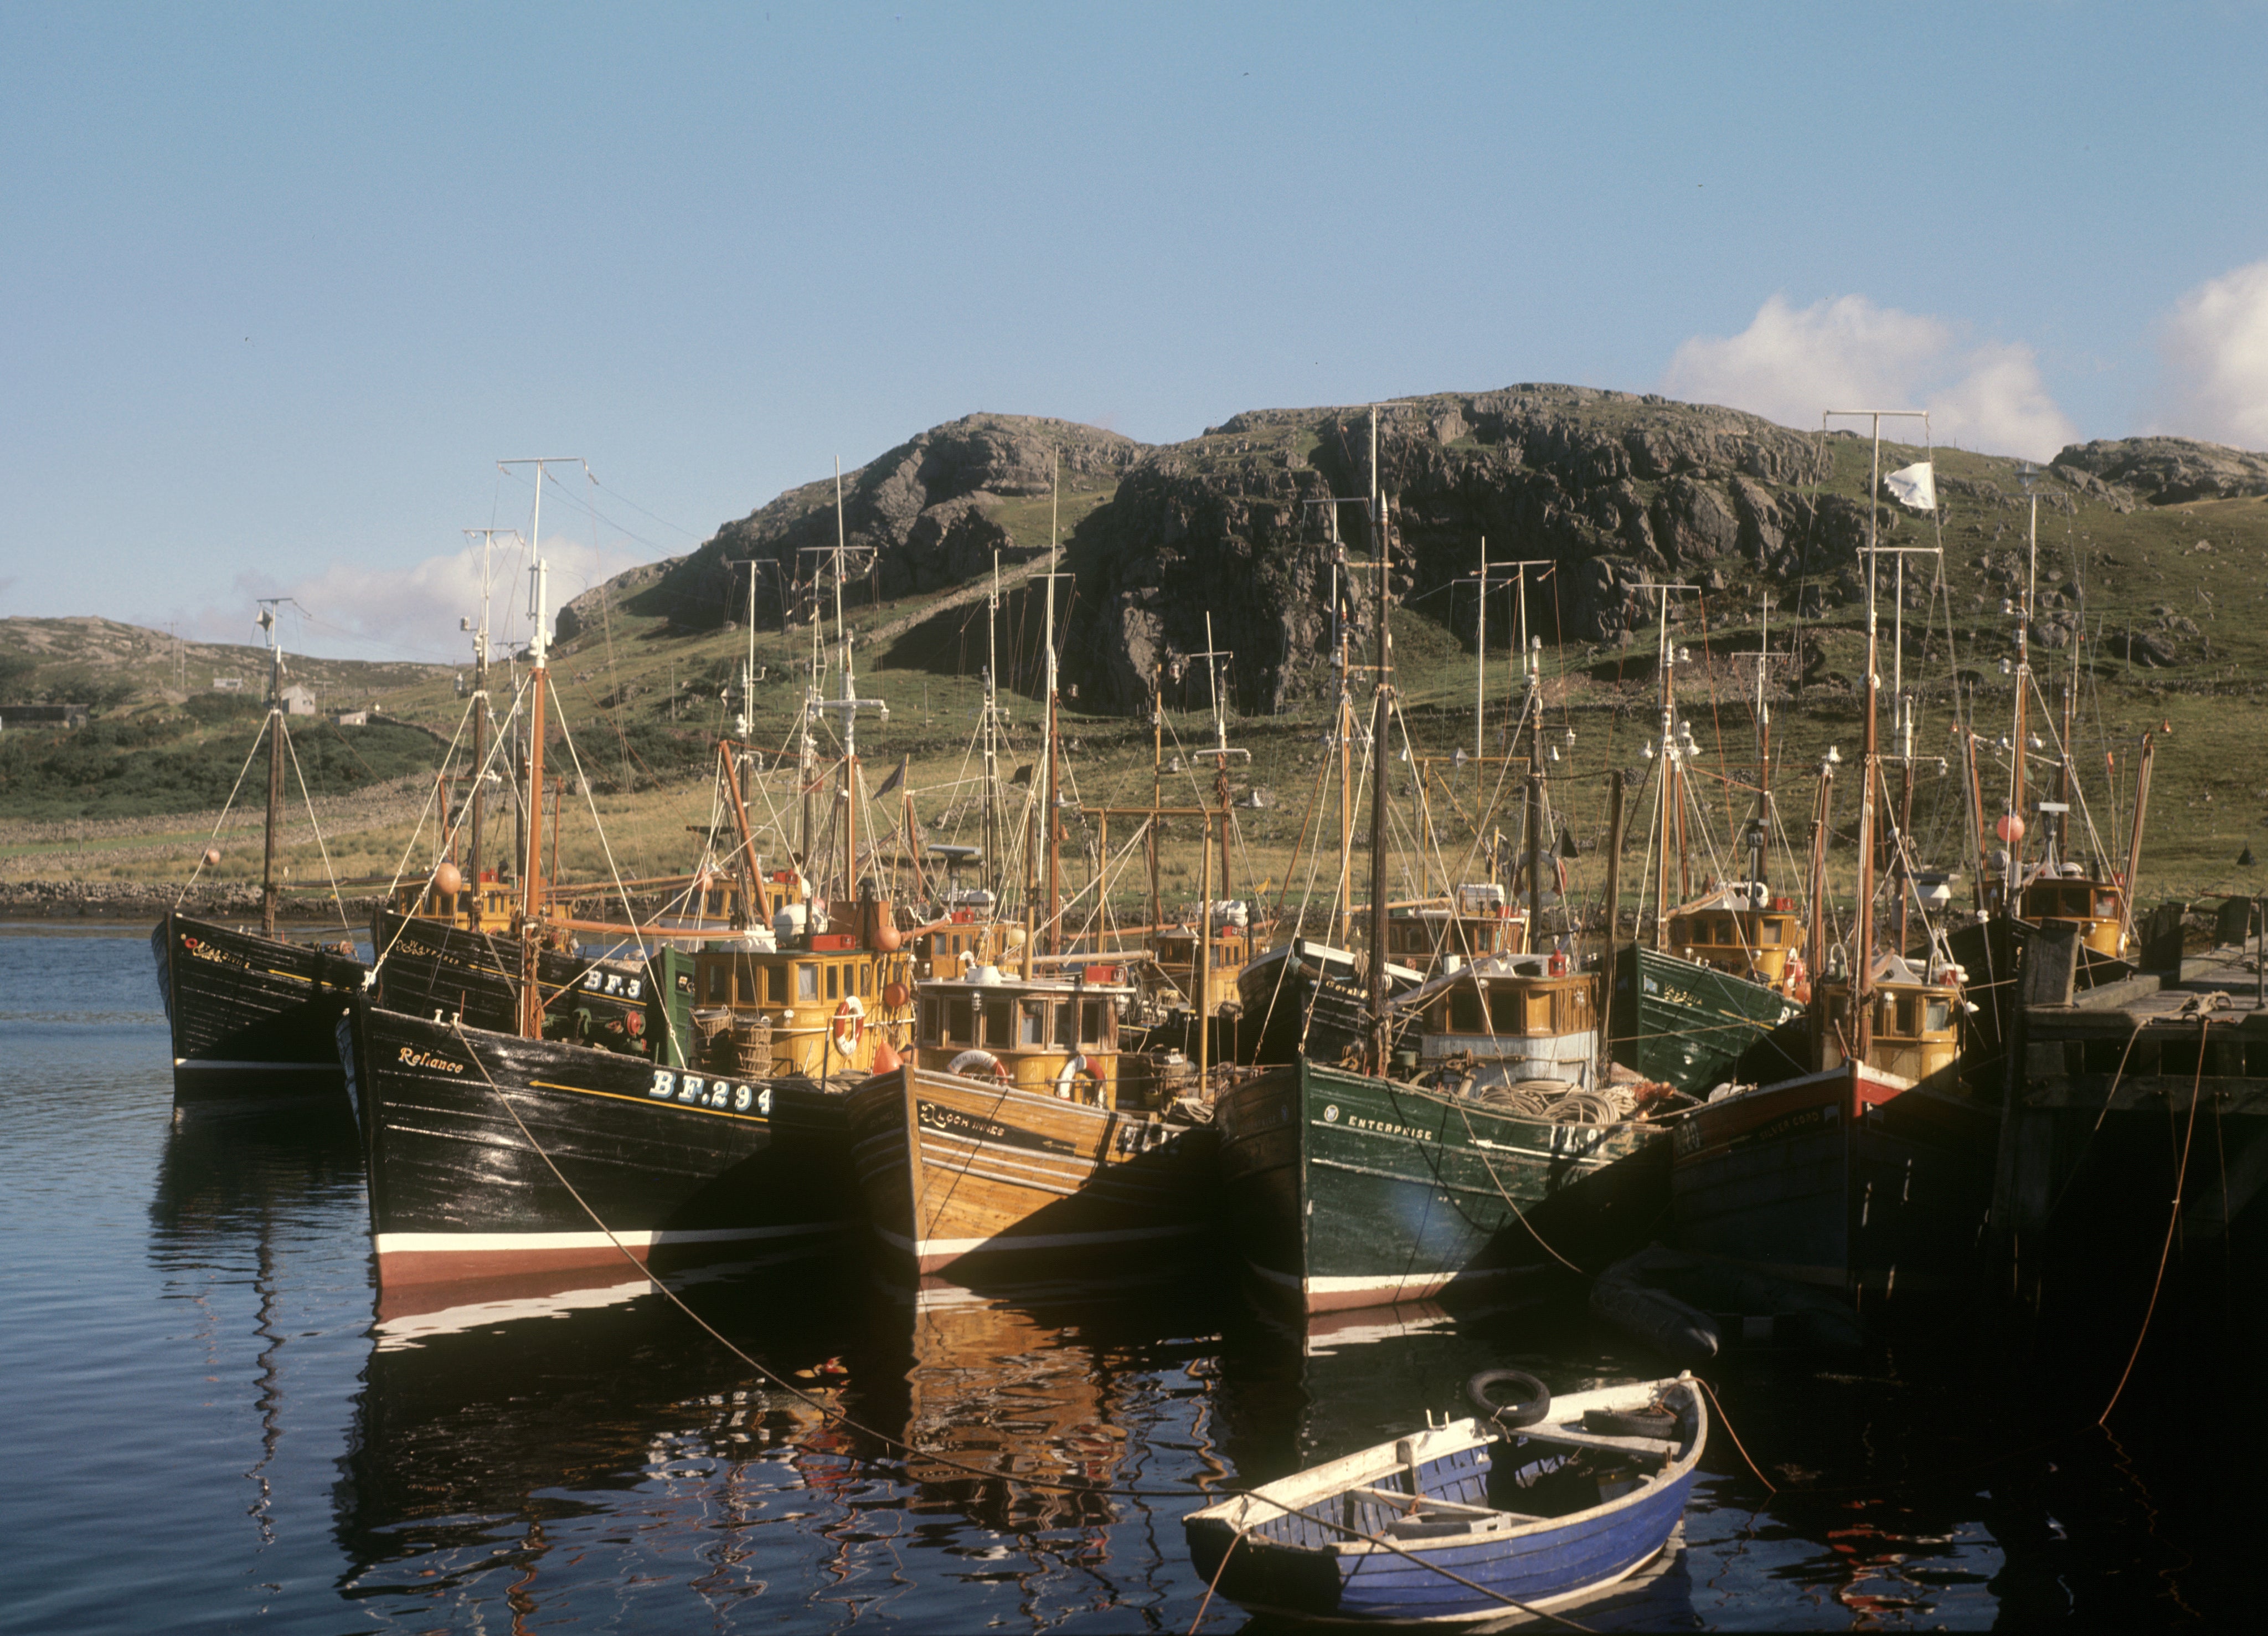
(1792, 363)
(354, 611)
(2214, 347)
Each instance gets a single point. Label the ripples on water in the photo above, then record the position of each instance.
(209, 1425)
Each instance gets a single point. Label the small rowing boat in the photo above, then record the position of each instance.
(1533, 1507)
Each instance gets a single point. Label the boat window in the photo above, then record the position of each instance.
(806, 982)
(834, 979)
(1464, 1012)
(1033, 1023)
(1504, 1011)
(2077, 900)
(866, 979)
(1909, 1015)
(717, 974)
(960, 1022)
(1768, 933)
(2106, 904)
(1941, 1014)
(1090, 1032)
(1066, 1025)
(774, 985)
(997, 1031)
(928, 1021)
(1539, 1013)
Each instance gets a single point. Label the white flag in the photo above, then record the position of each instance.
(1915, 486)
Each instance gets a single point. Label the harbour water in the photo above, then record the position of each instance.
(211, 1424)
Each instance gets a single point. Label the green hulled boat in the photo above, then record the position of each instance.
(1693, 1027)
(1349, 1190)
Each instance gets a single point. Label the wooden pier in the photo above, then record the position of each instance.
(2135, 1131)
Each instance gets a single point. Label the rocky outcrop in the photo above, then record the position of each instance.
(917, 518)
(1611, 489)
(2167, 471)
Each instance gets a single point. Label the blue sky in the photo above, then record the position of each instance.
(282, 284)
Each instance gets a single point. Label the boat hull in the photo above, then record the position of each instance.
(665, 1159)
(1844, 1180)
(1693, 1027)
(252, 1018)
(1335, 1543)
(429, 968)
(971, 1174)
(1348, 1190)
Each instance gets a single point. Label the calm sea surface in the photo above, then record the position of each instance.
(205, 1423)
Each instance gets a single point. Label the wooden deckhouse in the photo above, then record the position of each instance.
(1506, 1020)
(1744, 929)
(1476, 924)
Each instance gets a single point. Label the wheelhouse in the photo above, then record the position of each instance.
(1051, 1036)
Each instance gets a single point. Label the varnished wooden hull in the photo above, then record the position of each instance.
(251, 1018)
(961, 1172)
(662, 1157)
(430, 966)
(1348, 1190)
(1841, 1180)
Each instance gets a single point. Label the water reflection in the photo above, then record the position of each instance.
(581, 1451)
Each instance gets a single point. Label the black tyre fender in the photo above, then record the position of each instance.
(1532, 1405)
(1657, 1420)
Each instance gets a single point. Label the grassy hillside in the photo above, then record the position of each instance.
(2141, 591)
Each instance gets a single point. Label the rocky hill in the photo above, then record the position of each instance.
(925, 516)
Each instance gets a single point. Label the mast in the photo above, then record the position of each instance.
(531, 997)
(1342, 730)
(478, 811)
(1055, 776)
(275, 764)
(991, 734)
(1157, 785)
(1382, 705)
(539, 650)
(846, 706)
(2015, 837)
(1863, 932)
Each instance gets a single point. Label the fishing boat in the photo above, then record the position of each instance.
(1724, 968)
(665, 1099)
(1470, 1521)
(251, 1015)
(1870, 1173)
(1467, 1142)
(1016, 1129)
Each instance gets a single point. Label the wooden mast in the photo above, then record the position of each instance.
(1863, 931)
(1382, 706)
(539, 646)
(275, 767)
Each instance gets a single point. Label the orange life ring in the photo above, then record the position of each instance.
(850, 1024)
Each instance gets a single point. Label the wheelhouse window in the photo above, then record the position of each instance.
(998, 1028)
(1768, 933)
(929, 1020)
(719, 987)
(1032, 1023)
(960, 1022)
(1941, 1014)
(1092, 1022)
(866, 979)
(1465, 1012)
(1504, 1011)
(1066, 1025)
(806, 982)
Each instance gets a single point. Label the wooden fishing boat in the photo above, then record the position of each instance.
(1465, 1522)
(1868, 1175)
(684, 1099)
(1015, 1129)
(1691, 1025)
(251, 1015)
(1349, 1189)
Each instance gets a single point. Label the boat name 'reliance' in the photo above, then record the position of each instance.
(417, 1058)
